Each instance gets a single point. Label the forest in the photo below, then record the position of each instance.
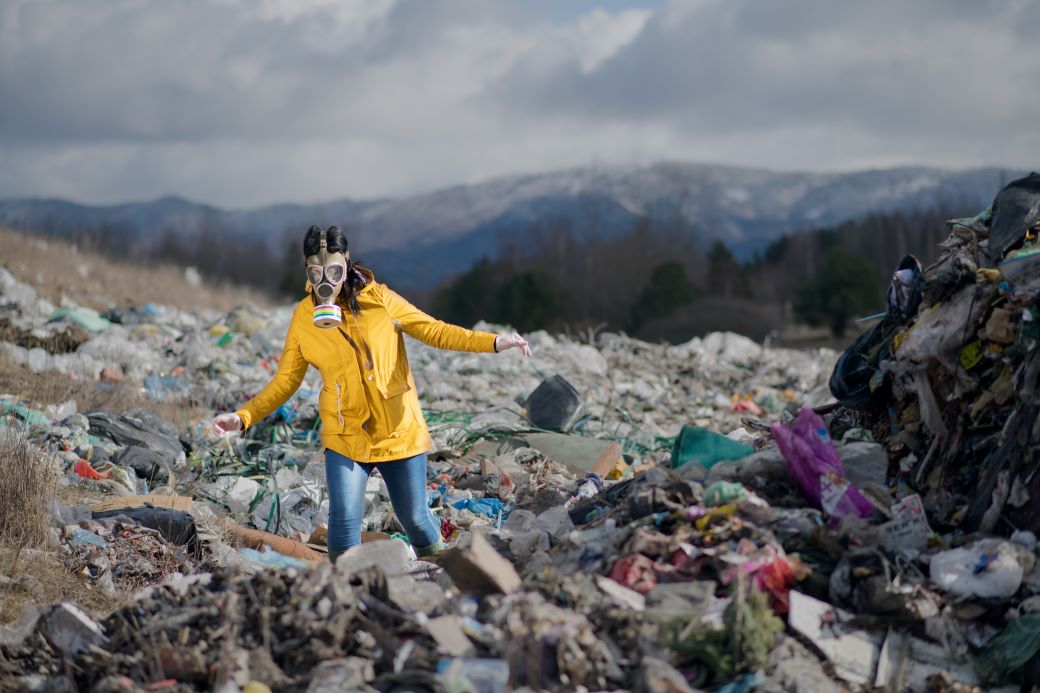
(668, 284)
(664, 280)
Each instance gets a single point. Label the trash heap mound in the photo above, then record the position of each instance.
(950, 377)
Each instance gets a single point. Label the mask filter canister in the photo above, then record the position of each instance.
(328, 315)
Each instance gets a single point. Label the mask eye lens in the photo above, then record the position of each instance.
(314, 274)
(334, 273)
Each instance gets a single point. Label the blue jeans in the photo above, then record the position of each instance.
(405, 481)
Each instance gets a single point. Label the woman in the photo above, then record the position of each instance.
(350, 328)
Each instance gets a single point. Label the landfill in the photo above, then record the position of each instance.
(619, 515)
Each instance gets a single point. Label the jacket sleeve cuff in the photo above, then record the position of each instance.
(247, 418)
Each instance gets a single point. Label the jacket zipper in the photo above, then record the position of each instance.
(339, 406)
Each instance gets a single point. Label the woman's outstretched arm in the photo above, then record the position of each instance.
(291, 369)
(432, 331)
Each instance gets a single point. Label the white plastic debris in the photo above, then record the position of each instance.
(987, 568)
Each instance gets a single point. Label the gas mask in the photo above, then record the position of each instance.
(326, 273)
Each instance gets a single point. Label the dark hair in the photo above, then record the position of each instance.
(336, 242)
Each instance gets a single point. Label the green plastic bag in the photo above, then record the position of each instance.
(30, 416)
(1003, 656)
(724, 493)
(87, 319)
(695, 444)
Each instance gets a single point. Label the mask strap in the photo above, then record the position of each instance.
(324, 246)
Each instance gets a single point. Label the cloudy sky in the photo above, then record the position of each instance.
(249, 102)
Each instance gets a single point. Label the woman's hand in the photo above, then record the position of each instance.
(226, 423)
(512, 341)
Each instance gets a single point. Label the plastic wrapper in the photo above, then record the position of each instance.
(816, 468)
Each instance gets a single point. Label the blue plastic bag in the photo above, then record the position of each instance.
(488, 507)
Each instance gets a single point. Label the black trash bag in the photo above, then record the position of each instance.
(176, 526)
(147, 464)
(139, 427)
(589, 511)
(851, 382)
(1016, 209)
(554, 404)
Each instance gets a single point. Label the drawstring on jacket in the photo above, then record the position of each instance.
(339, 406)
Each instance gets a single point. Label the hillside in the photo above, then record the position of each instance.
(419, 240)
(60, 272)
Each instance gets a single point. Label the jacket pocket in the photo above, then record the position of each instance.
(398, 415)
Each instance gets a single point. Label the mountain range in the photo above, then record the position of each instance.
(419, 240)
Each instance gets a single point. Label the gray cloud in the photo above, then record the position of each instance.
(727, 66)
(952, 77)
(245, 102)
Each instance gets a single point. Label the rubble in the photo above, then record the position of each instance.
(619, 515)
(479, 569)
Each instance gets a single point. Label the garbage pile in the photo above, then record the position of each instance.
(619, 515)
(636, 394)
(950, 377)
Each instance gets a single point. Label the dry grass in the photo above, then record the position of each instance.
(27, 483)
(50, 582)
(80, 494)
(99, 282)
(53, 387)
(30, 571)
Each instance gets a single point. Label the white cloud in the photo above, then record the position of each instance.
(244, 102)
(601, 34)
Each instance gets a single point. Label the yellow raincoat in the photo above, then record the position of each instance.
(367, 414)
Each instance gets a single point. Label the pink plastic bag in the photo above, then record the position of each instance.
(815, 466)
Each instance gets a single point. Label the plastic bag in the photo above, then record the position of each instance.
(554, 405)
(815, 466)
(488, 507)
(904, 291)
(271, 558)
(1016, 209)
(176, 526)
(724, 493)
(986, 569)
(695, 444)
(855, 381)
(1007, 653)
